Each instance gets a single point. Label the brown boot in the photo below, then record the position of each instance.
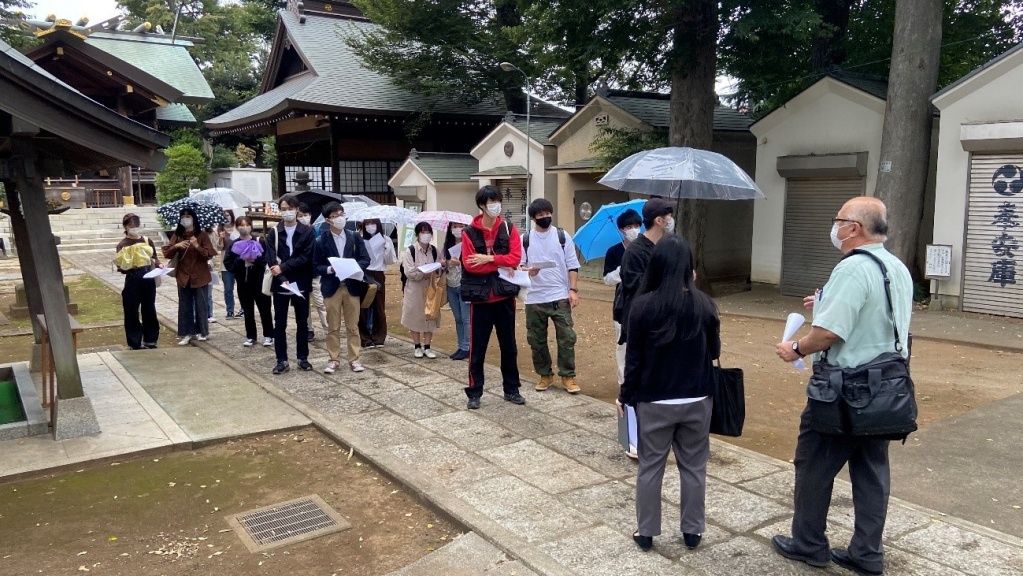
(569, 383)
(544, 383)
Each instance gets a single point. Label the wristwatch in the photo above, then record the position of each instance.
(576, 290)
(795, 348)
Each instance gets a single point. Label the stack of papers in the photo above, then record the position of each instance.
(792, 323)
(157, 272)
(346, 268)
(292, 289)
(517, 277)
(429, 268)
(455, 251)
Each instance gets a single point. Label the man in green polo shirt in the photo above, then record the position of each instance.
(851, 321)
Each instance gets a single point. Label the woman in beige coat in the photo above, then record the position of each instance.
(413, 308)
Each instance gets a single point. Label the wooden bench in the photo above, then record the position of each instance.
(49, 371)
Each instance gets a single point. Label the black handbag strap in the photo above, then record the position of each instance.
(887, 292)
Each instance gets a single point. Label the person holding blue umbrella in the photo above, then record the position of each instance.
(629, 224)
(599, 233)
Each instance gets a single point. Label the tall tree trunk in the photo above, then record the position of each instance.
(693, 70)
(826, 51)
(906, 136)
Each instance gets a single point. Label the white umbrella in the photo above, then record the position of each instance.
(440, 219)
(226, 198)
(385, 213)
(682, 172)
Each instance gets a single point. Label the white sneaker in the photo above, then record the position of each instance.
(211, 320)
(184, 341)
(268, 341)
(332, 367)
(430, 354)
(356, 366)
(201, 338)
(249, 342)
(418, 353)
(632, 453)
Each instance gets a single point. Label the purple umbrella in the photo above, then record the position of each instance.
(247, 250)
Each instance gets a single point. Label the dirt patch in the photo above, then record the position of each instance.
(164, 515)
(951, 379)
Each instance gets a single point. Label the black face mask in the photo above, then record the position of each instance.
(544, 222)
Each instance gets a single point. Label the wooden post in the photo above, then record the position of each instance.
(282, 184)
(335, 155)
(47, 265)
(26, 260)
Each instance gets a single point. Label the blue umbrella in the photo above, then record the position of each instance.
(601, 231)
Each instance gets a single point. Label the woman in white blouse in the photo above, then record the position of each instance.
(373, 320)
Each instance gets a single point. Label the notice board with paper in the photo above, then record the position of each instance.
(939, 262)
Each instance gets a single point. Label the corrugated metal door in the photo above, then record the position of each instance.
(994, 230)
(807, 256)
(514, 202)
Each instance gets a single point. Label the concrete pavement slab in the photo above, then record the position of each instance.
(412, 405)
(732, 466)
(601, 551)
(515, 568)
(384, 428)
(469, 430)
(598, 452)
(742, 556)
(467, 555)
(542, 467)
(525, 510)
(521, 420)
(965, 551)
(445, 462)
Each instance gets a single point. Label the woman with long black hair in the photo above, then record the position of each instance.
(373, 320)
(673, 339)
(193, 249)
(245, 258)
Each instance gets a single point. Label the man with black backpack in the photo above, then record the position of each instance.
(548, 254)
(491, 247)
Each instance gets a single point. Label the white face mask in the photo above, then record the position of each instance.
(371, 229)
(426, 238)
(186, 222)
(669, 225)
(835, 240)
(494, 209)
(340, 222)
(631, 234)
(457, 233)
(306, 220)
(134, 231)
(289, 215)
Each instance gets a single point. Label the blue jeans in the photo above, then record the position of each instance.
(460, 310)
(228, 278)
(205, 292)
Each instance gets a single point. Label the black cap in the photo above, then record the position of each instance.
(655, 207)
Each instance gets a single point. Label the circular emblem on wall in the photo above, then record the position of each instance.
(328, 7)
(509, 148)
(65, 196)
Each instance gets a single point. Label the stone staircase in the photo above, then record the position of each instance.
(93, 229)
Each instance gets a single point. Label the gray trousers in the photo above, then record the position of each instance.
(818, 460)
(684, 428)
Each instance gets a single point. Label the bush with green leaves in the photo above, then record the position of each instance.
(186, 168)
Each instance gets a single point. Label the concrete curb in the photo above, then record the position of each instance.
(424, 487)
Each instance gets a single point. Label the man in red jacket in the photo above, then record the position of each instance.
(491, 251)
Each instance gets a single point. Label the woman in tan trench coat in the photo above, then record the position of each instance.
(413, 308)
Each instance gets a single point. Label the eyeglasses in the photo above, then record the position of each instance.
(837, 220)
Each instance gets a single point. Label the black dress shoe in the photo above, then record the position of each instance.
(692, 540)
(473, 404)
(281, 368)
(841, 557)
(312, 335)
(305, 365)
(460, 355)
(787, 548)
(515, 398)
(644, 542)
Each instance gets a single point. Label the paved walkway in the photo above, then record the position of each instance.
(547, 483)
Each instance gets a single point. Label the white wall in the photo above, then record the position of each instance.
(493, 157)
(828, 118)
(996, 99)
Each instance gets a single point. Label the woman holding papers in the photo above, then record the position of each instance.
(245, 258)
(673, 338)
(136, 257)
(420, 256)
(459, 307)
(373, 320)
(192, 248)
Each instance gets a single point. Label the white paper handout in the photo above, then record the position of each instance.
(792, 324)
(455, 251)
(543, 265)
(292, 288)
(377, 241)
(517, 277)
(157, 272)
(429, 268)
(345, 268)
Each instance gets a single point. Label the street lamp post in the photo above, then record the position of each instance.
(509, 67)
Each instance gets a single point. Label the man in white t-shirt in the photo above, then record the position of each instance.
(548, 254)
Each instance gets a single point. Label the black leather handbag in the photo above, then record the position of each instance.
(876, 399)
(729, 411)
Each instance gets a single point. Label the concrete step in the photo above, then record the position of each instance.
(467, 555)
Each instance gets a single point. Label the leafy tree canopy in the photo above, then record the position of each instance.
(186, 168)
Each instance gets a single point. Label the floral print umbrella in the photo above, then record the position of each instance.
(209, 215)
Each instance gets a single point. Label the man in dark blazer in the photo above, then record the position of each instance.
(289, 253)
(341, 301)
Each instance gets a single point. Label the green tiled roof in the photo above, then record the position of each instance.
(539, 128)
(156, 56)
(654, 109)
(590, 163)
(176, 113)
(337, 81)
(502, 171)
(443, 167)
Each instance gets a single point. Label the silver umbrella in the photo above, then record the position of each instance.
(682, 173)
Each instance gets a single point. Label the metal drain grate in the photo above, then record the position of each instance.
(286, 523)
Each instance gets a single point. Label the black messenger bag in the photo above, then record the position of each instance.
(874, 400)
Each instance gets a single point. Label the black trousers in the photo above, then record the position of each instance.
(301, 306)
(139, 294)
(818, 460)
(379, 311)
(251, 296)
(484, 318)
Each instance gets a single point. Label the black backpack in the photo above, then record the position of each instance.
(525, 242)
(412, 251)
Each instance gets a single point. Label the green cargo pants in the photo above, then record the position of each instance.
(536, 334)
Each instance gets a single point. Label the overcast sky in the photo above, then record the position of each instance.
(96, 10)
